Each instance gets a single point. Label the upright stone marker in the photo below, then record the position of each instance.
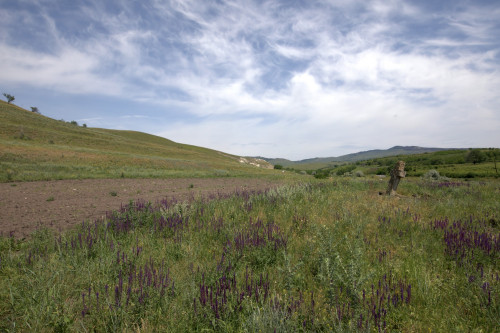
(396, 174)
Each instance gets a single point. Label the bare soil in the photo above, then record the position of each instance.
(62, 204)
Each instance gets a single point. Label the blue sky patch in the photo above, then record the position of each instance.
(294, 79)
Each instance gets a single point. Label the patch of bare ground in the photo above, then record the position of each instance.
(62, 204)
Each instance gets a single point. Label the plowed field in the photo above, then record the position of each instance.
(61, 204)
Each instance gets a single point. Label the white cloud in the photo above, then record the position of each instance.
(71, 71)
(274, 79)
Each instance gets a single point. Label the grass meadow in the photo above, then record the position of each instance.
(34, 147)
(321, 256)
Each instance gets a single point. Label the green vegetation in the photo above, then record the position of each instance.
(330, 162)
(9, 97)
(449, 163)
(35, 147)
(329, 255)
(473, 163)
(475, 156)
(344, 169)
(324, 256)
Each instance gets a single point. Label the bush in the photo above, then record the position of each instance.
(359, 173)
(322, 174)
(344, 169)
(278, 167)
(433, 175)
(475, 156)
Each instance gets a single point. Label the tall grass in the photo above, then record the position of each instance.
(322, 256)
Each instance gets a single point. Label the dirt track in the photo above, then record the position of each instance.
(64, 203)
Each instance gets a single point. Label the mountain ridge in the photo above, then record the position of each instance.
(359, 156)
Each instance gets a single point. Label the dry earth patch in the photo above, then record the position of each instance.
(61, 204)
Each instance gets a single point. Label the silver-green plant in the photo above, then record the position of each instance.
(434, 175)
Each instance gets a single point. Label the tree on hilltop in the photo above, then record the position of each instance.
(9, 97)
(34, 109)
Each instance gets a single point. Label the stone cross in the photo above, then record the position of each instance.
(396, 174)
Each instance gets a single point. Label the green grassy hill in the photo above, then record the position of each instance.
(35, 147)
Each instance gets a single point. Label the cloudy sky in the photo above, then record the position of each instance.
(275, 78)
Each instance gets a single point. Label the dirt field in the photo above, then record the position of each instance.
(65, 203)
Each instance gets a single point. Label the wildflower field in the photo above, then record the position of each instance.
(329, 255)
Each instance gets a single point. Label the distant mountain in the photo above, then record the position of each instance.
(281, 161)
(360, 156)
(394, 151)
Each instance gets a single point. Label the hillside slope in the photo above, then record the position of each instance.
(35, 147)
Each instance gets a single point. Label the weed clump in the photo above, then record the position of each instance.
(434, 175)
(359, 173)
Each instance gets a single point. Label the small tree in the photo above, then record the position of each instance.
(494, 154)
(34, 109)
(278, 167)
(475, 156)
(9, 97)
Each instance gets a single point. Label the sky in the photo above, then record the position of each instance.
(275, 78)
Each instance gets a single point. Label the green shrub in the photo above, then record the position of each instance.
(475, 156)
(343, 169)
(322, 174)
(433, 175)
